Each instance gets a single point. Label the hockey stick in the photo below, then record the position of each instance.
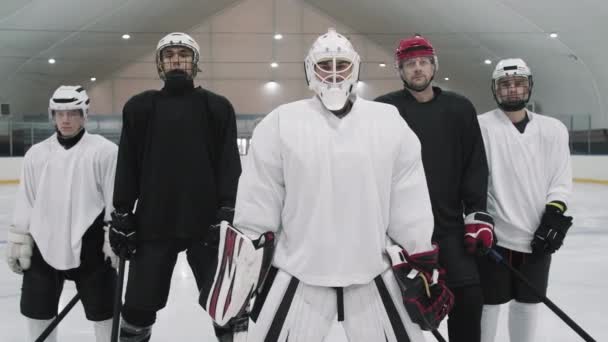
(438, 336)
(118, 298)
(49, 329)
(582, 333)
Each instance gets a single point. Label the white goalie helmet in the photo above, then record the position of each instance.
(69, 98)
(511, 67)
(332, 84)
(177, 39)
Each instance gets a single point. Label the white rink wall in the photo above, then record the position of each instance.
(10, 169)
(584, 168)
(590, 168)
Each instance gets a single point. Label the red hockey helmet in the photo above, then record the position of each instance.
(415, 46)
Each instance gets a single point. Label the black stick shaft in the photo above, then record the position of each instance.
(49, 329)
(582, 333)
(438, 336)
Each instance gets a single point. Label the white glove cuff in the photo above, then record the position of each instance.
(20, 238)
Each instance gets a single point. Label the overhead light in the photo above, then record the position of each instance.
(553, 35)
(126, 36)
(382, 65)
(487, 61)
(278, 36)
(52, 61)
(274, 65)
(446, 78)
(271, 86)
(93, 79)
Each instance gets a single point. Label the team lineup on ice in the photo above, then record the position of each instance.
(403, 218)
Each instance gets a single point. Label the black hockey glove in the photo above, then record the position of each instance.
(212, 237)
(122, 234)
(225, 214)
(554, 225)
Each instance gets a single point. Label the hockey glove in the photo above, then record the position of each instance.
(225, 214)
(426, 298)
(554, 225)
(19, 251)
(107, 249)
(122, 235)
(478, 233)
(212, 237)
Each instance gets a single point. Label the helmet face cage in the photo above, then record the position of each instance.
(332, 69)
(177, 39)
(514, 71)
(69, 98)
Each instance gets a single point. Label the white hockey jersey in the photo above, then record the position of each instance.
(334, 190)
(62, 192)
(527, 171)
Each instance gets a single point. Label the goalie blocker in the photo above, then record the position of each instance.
(242, 266)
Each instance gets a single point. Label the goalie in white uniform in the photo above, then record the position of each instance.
(335, 179)
(64, 197)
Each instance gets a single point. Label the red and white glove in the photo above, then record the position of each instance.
(478, 233)
(425, 296)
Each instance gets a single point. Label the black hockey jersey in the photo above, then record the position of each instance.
(453, 154)
(178, 158)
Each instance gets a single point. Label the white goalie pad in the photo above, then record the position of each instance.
(241, 269)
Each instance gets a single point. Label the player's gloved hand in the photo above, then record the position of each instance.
(426, 297)
(122, 234)
(107, 249)
(19, 250)
(554, 225)
(225, 214)
(478, 233)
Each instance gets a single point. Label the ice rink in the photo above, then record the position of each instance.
(578, 285)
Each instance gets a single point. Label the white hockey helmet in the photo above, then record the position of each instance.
(177, 39)
(69, 98)
(511, 67)
(333, 87)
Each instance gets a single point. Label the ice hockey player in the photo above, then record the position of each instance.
(335, 179)
(178, 160)
(456, 173)
(59, 230)
(529, 187)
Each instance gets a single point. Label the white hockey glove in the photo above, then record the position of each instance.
(19, 251)
(107, 249)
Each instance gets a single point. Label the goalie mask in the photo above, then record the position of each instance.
(69, 98)
(512, 84)
(187, 64)
(332, 69)
(241, 269)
